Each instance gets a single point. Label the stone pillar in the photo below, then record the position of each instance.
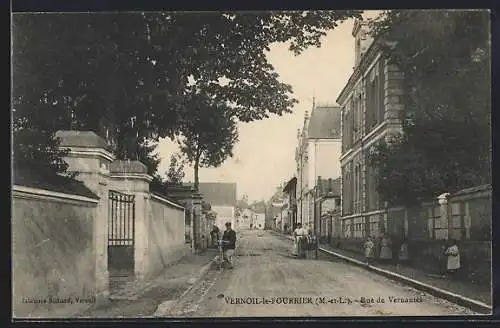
(196, 200)
(131, 177)
(89, 158)
(445, 213)
(467, 221)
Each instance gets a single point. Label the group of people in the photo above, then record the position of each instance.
(228, 242)
(303, 239)
(385, 254)
(385, 250)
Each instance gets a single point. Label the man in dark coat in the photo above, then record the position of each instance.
(229, 244)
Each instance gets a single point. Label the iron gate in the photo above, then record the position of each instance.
(121, 233)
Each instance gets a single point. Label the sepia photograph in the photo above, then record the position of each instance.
(251, 164)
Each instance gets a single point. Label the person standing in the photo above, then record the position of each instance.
(385, 249)
(368, 250)
(215, 234)
(453, 257)
(299, 237)
(403, 256)
(229, 244)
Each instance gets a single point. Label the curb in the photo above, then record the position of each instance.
(164, 307)
(474, 305)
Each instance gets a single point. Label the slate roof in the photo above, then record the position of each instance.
(218, 193)
(51, 181)
(290, 184)
(324, 123)
(324, 187)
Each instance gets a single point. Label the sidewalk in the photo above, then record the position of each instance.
(454, 290)
(472, 291)
(142, 298)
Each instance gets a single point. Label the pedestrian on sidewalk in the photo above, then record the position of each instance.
(385, 249)
(403, 256)
(229, 244)
(453, 258)
(368, 248)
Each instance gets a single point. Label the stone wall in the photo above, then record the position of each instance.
(166, 243)
(53, 253)
(466, 217)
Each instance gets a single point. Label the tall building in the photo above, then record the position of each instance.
(370, 107)
(317, 154)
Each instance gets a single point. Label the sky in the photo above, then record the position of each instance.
(264, 156)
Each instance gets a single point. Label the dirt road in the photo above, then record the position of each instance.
(268, 282)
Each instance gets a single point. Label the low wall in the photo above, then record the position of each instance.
(53, 253)
(166, 242)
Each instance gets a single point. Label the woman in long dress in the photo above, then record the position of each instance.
(298, 235)
(385, 249)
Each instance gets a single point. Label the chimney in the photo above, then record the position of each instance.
(362, 39)
(298, 134)
(319, 183)
(330, 185)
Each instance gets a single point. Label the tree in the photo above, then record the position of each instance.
(208, 134)
(446, 145)
(175, 172)
(128, 75)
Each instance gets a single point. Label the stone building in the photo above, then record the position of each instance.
(317, 154)
(370, 106)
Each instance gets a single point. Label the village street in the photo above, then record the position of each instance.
(278, 285)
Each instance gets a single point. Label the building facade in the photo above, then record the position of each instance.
(290, 206)
(317, 154)
(326, 202)
(371, 103)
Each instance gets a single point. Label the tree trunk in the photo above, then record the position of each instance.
(196, 175)
(196, 223)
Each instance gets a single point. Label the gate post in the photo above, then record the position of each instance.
(131, 177)
(89, 158)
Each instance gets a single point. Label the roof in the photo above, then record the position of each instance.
(51, 181)
(259, 207)
(324, 123)
(218, 193)
(290, 184)
(81, 139)
(324, 187)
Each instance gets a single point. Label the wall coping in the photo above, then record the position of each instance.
(85, 151)
(28, 192)
(166, 201)
(132, 176)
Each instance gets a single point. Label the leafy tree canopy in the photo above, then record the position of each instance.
(175, 172)
(208, 136)
(127, 75)
(445, 60)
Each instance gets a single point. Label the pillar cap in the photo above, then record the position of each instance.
(127, 166)
(88, 139)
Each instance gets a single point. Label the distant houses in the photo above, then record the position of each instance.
(222, 198)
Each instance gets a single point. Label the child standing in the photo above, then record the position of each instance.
(369, 246)
(453, 255)
(403, 253)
